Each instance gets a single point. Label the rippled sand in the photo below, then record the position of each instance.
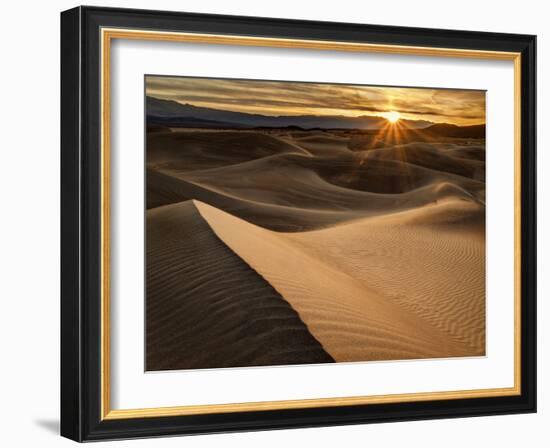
(270, 248)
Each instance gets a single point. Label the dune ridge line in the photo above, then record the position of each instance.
(351, 320)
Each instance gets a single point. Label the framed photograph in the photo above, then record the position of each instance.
(275, 224)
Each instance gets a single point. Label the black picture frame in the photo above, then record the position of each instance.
(81, 224)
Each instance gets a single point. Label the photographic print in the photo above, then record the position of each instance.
(300, 223)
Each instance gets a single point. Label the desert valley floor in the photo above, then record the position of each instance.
(284, 246)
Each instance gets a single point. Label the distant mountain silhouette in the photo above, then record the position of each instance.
(452, 130)
(171, 113)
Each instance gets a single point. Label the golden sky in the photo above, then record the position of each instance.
(461, 107)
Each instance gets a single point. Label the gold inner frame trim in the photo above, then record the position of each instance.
(107, 35)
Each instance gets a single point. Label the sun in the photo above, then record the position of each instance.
(393, 116)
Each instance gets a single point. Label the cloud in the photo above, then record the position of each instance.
(297, 98)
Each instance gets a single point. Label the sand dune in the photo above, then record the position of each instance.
(320, 143)
(326, 188)
(428, 155)
(286, 247)
(440, 249)
(207, 308)
(360, 141)
(190, 150)
(334, 279)
(309, 203)
(473, 152)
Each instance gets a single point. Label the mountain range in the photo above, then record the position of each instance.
(175, 114)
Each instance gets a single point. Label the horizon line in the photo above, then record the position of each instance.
(431, 123)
